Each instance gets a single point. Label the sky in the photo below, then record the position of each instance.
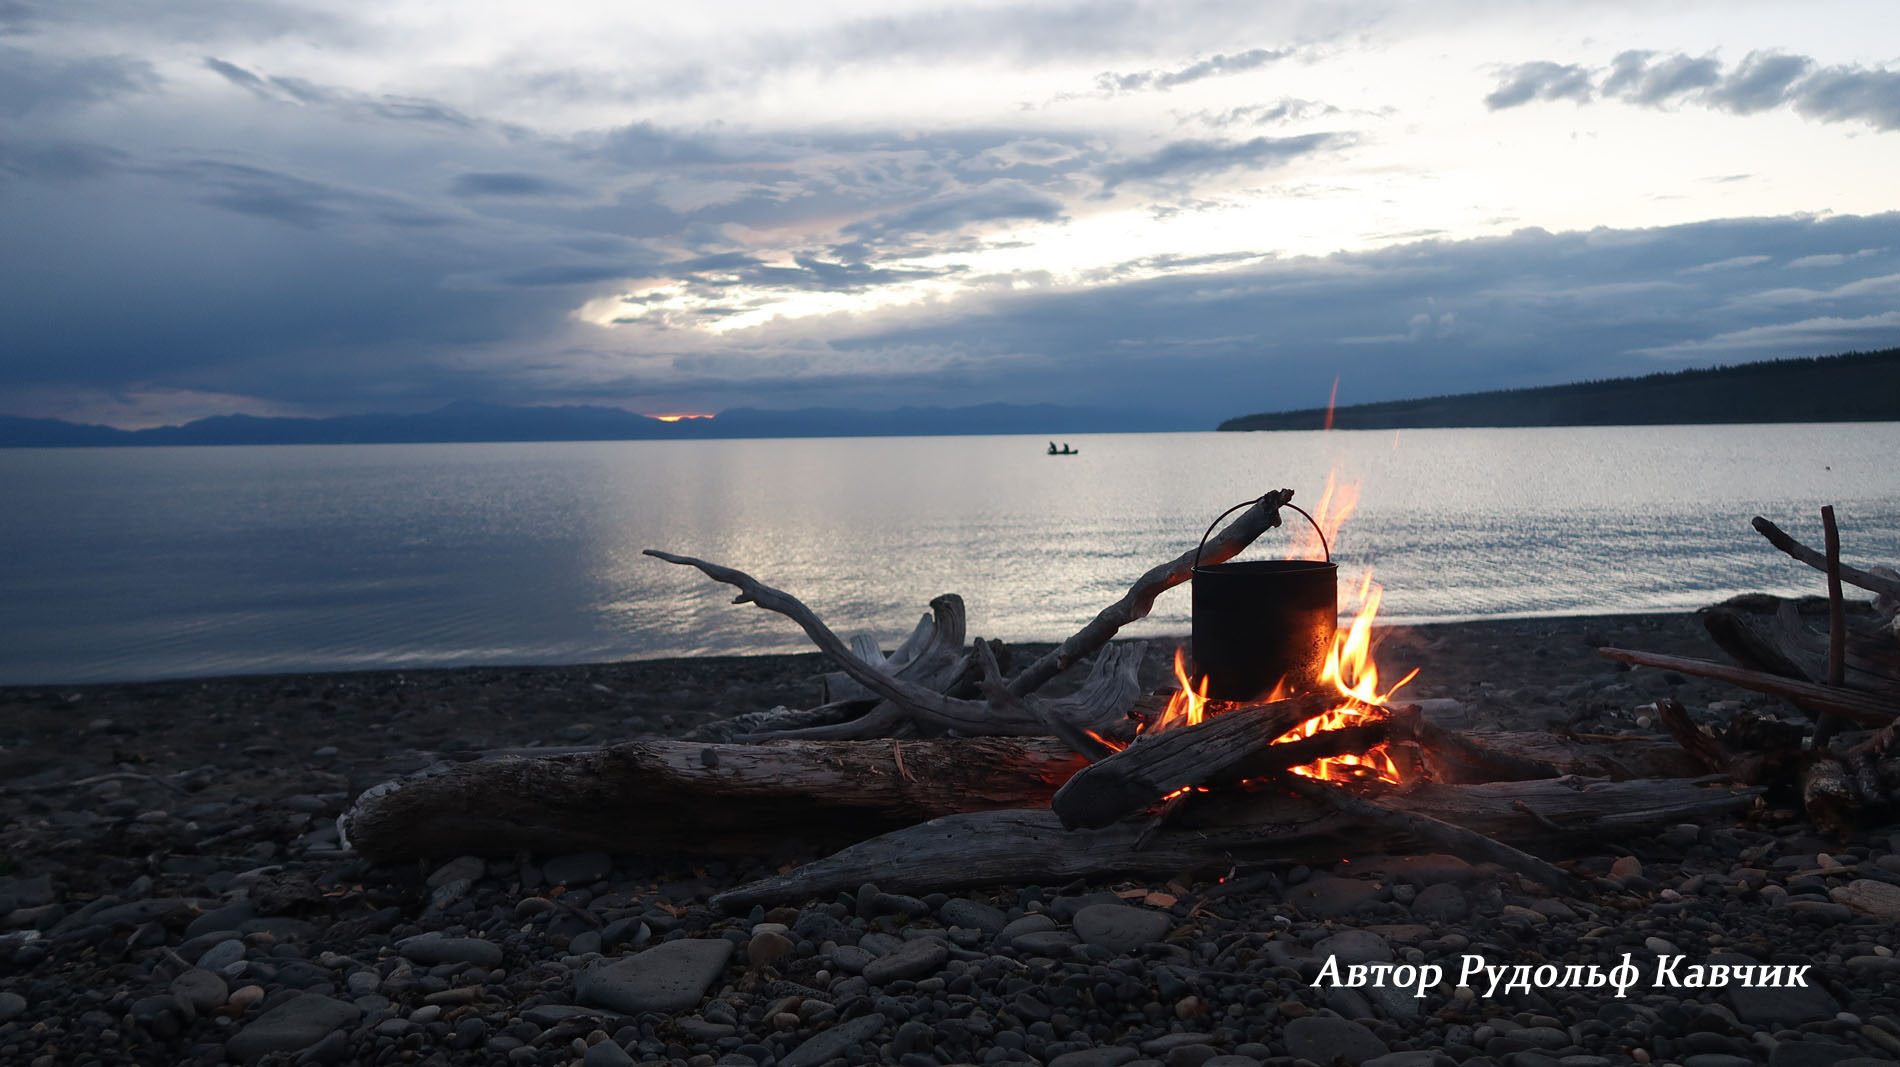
(1204, 207)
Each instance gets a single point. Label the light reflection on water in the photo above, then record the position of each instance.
(144, 563)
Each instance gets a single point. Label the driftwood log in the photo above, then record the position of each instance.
(1863, 709)
(663, 796)
(1866, 579)
(981, 848)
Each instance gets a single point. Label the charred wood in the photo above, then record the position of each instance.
(1139, 776)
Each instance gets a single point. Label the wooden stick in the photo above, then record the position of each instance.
(1859, 708)
(1140, 598)
(1836, 609)
(1829, 723)
(1850, 575)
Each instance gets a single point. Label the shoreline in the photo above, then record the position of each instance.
(173, 891)
(1395, 625)
(1515, 671)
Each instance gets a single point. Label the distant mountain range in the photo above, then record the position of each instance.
(1854, 387)
(466, 421)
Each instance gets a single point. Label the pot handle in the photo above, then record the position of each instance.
(1249, 503)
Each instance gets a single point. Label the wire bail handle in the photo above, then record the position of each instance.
(1249, 503)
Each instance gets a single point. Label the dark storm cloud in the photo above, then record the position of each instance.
(1762, 80)
(1212, 66)
(1187, 159)
(33, 82)
(1539, 81)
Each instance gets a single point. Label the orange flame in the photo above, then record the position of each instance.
(1187, 706)
(1351, 670)
(1336, 504)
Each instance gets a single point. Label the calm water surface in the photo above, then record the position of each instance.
(120, 564)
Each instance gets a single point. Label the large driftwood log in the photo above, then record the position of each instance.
(1863, 709)
(1772, 635)
(984, 848)
(662, 795)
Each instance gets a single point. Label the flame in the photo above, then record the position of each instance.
(1350, 669)
(1332, 401)
(1336, 504)
(1188, 706)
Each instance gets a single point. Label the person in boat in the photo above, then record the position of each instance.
(1052, 448)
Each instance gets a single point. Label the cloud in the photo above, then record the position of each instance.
(1212, 66)
(1654, 84)
(1526, 82)
(1822, 334)
(1843, 94)
(993, 202)
(506, 183)
(33, 82)
(57, 161)
(1762, 81)
(1199, 158)
(303, 92)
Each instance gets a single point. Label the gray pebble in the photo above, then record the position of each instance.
(1321, 1039)
(669, 977)
(1119, 927)
(292, 1026)
(827, 1045)
(221, 955)
(430, 950)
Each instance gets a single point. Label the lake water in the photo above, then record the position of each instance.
(119, 564)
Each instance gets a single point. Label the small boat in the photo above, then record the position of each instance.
(1065, 450)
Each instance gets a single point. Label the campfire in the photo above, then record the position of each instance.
(938, 770)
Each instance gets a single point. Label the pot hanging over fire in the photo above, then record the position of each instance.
(1259, 622)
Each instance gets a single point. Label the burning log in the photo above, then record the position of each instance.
(661, 795)
(982, 848)
(1146, 772)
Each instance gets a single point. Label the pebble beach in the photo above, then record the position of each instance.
(173, 891)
